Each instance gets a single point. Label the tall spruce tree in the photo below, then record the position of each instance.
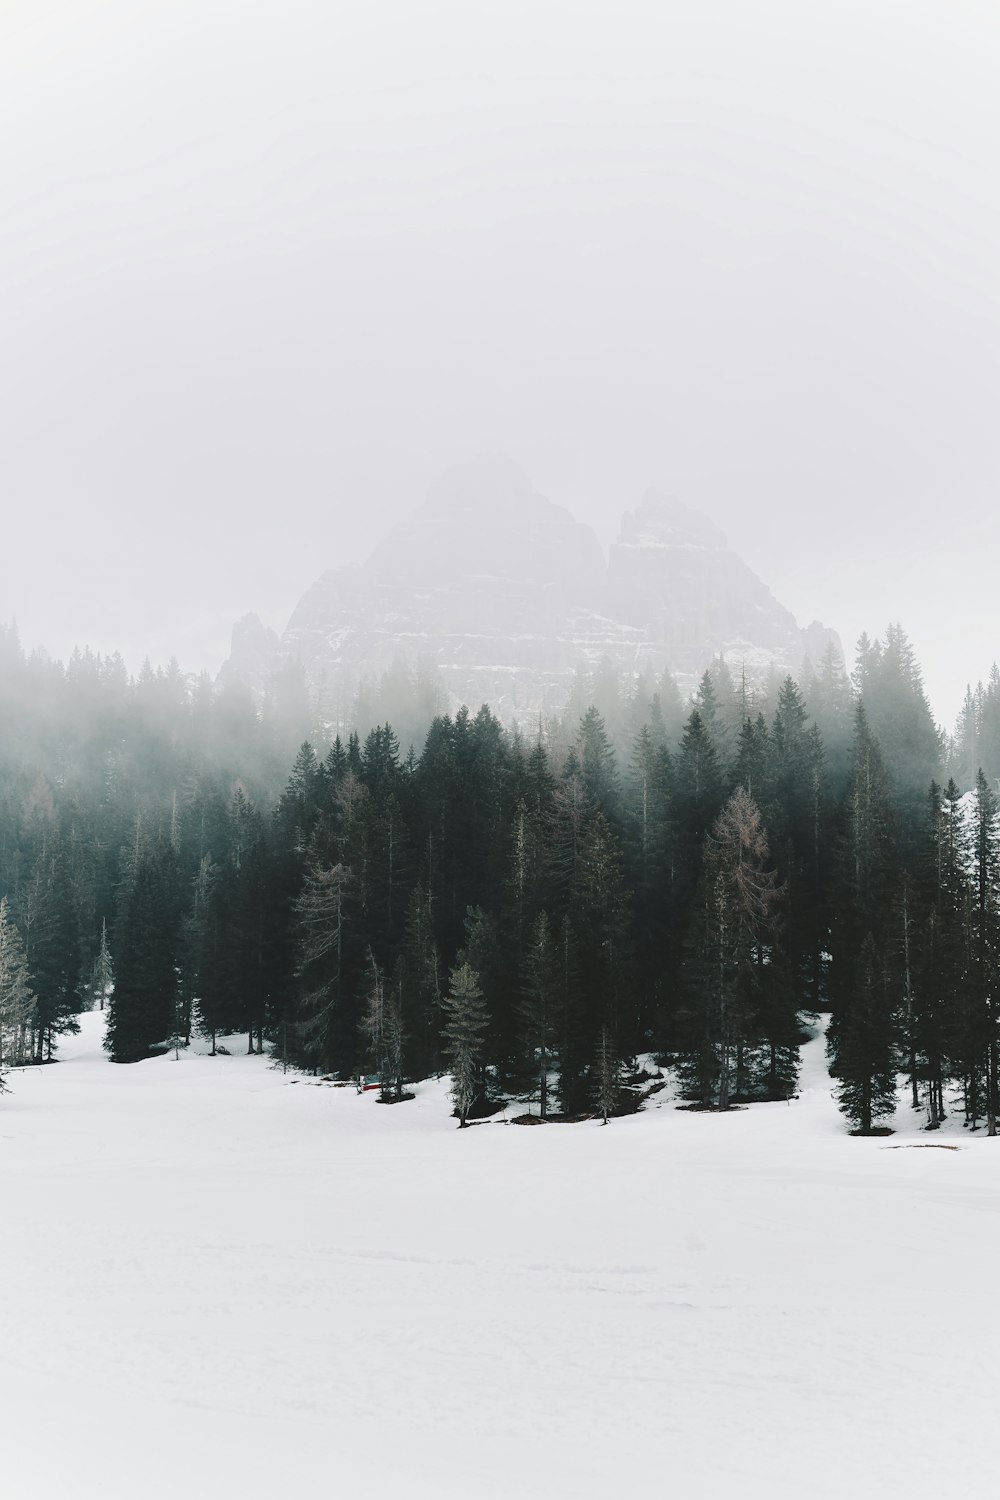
(864, 1057)
(607, 1076)
(735, 914)
(142, 1009)
(102, 978)
(985, 937)
(867, 869)
(17, 998)
(466, 1024)
(319, 966)
(539, 1009)
(941, 970)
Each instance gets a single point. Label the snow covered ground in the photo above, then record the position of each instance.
(222, 1282)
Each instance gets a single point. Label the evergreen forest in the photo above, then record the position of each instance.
(545, 917)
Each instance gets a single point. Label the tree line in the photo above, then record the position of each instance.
(532, 914)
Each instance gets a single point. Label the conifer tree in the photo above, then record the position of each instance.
(937, 957)
(382, 1027)
(828, 693)
(598, 914)
(142, 1008)
(776, 1022)
(597, 763)
(752, 765)
(422, 966)
(539, 1007)
(891, 692)
(465, 1030)
(607, 1076)
(207, 946)
(319, 963)
(16, 996)
(697, 793)
(712, 716)
(985, 935)
(735, 914)
(52, 949)
(649, 860)
(867, 870)
(864, 1057)
(668, 709)
(102, 977)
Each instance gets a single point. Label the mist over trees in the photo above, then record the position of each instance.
(532, 913)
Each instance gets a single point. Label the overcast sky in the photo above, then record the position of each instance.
(267, 268)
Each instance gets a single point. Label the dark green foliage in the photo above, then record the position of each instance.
(142, 1011)
(252, 882)
(465, 1030)
(539, 1010)
(597, 763)
(890, 689)
(739, 1003)
(52, 949)
(698, 791)
(863, 1058)
(984, 946)
(383, 1031)
(607, 1076)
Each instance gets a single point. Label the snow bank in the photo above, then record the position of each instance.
(222, 1281)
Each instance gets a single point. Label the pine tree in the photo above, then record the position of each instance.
(142, 1008)
(828, 693)
(598, 915)
(649, 859)
(319, 964)
(735, 912)
(985, 934)
(697, 795)
(465, 1030)
(752, 766)
(382, 1028)
(668, 710)
(539, 1007)
(207, 946)
(713, 716)
(597, 763)
(394, 1034)
(52, 949)
(16, 996)
(607, 1076)
(867, 870)
(891, 692)
(102, 977)
(422, 967)
(776, 1023)
(864, 1060)
(942, 1003)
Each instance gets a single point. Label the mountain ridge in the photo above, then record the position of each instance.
(505, 597)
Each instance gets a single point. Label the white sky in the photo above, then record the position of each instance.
(267, 268)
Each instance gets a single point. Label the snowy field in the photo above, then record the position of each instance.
(221, 1282)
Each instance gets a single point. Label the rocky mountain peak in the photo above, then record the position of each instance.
(661, 520)
(254, 651)
(484, 520)
(503, 596)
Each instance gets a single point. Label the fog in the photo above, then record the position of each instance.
(266, 270)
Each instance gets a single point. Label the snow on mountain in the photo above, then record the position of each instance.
(225, 1281)
(505, 596)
